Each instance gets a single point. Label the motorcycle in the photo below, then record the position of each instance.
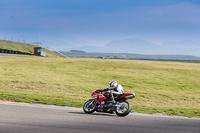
(109, 102)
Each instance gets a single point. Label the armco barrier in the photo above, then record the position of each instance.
(6, 51)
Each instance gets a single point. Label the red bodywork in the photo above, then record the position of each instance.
(126, 94)
(98, 97)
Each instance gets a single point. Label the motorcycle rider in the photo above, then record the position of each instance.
(117, 89)
(103, 100)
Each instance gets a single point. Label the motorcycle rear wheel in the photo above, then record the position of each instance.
(124, 110)
(89, 107)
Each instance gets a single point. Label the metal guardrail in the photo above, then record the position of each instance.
(6, 51)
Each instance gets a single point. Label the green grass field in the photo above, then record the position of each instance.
(161, 87)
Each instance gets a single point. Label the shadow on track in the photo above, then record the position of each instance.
(103, 114)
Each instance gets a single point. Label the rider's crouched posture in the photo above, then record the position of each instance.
(117, 89)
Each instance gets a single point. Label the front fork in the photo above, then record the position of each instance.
(92, 101)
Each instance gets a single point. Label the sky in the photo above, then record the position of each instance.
(68, 24)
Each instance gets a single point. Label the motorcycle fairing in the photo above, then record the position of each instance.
(99, 97)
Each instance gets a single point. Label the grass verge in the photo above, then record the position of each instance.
(161, 87)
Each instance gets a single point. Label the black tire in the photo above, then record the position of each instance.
(87, 108)
(125, 110)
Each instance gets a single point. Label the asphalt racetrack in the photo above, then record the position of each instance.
(16, 118)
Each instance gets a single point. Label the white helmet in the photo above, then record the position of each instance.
(113, 83)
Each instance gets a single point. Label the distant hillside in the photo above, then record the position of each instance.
(133, 45)
(186, 58)
(23, 47)
(140, 46)
(79, 51)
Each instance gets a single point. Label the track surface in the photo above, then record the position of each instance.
(25, 119)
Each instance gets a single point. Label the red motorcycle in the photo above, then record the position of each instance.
(109, 102)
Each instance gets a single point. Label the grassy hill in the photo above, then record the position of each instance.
(23, 47)
(161, 87)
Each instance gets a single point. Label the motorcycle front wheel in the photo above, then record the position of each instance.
(89, 107)
(124, 109)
